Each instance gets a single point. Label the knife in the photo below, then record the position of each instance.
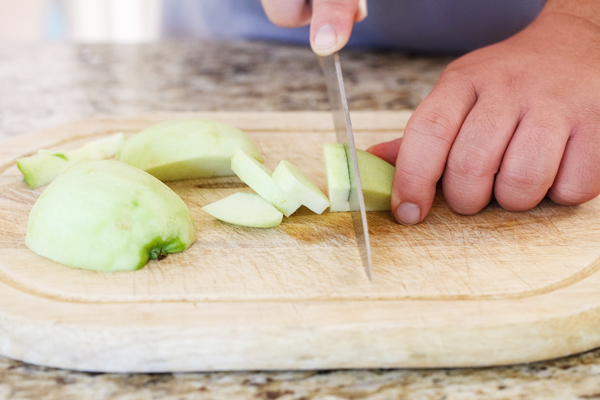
(343, 130)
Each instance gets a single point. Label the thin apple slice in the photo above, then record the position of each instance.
(245, 209)
(297, 185)
(108, 216)
(258, 177)
(338, 178)
(376, 176)
(186, 149)
(42, 168)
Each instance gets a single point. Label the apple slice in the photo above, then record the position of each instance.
(186, 149)
(376, 176)
(108, 216)
(258, 177)
(245, 209)
(42, 168)
(338, 178)
(297, 185)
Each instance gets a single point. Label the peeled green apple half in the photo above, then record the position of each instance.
(42, 168)
(376, 176)
(108, 216)
(186, 149)
(297, 185)
(258, 177)
(245, 209)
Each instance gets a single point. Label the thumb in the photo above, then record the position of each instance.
(331, 24)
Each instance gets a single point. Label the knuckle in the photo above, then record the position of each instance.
(467, 207)
(568, 194)
(471, 162)
(525, 178)
(432, 128)
(413, 176)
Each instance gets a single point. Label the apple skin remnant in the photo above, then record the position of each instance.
(42, 168)
(186, 149)
(108, 216)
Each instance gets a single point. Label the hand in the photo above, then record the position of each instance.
(519, 119)
(330, 20)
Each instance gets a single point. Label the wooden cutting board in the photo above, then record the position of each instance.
(495, 288)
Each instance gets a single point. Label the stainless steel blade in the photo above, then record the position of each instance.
(343, 130)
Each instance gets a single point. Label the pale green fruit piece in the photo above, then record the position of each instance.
(245, 209)
(108, 216)
(376, 176)
(186, 149)
(258, 177)
(338, 178)
(297, 185)
(42, 168)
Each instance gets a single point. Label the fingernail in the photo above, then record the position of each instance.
(326, 38)
(362, 6)
(408, 213)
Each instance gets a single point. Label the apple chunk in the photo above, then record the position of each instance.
(297, 185)
(376, 176)
(245, 209)
(42, 168)
(108, 216)
(186, 149)
(258, 177)
(338, 178)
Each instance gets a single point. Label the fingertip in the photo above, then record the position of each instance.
(291, 14)
(361, 12)
(326, 41)
(331, 25)
(408, 213)
(388, 151)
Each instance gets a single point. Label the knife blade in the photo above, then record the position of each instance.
(343, 130)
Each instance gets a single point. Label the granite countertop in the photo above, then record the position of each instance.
(45, 85)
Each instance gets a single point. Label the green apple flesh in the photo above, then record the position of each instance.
(376, 176)
(186, 149)
(338, 178)
(258, 177)
(245, 209)
(42, 168)
(108, 216)
(297, 185)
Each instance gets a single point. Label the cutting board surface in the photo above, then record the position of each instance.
(490, 271)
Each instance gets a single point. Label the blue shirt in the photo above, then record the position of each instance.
(430, 26)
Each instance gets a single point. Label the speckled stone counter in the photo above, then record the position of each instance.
(49, 84)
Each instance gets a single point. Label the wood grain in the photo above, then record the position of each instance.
(493, 288)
